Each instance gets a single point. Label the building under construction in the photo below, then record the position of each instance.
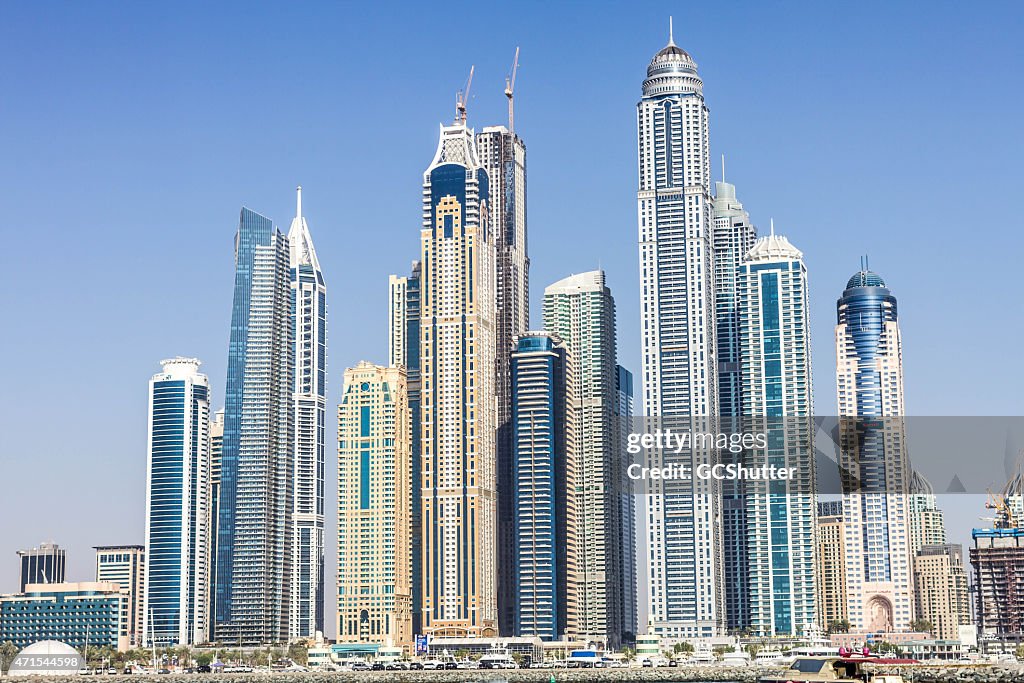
(998, 560)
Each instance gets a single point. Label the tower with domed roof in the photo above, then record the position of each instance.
(869, 384)
(674, 213)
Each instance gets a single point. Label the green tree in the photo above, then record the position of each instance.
(8, 651)
(682, 647)
(298, 653)
(752, 649)
(889, 648)
(720, 650)
(842, 626)
(461, 654)
(204, 658)
(1020, 652)
(922, 625)
(628, 654)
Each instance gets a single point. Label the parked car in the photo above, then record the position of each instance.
(415, 666)
(359, 665)
(204, 669)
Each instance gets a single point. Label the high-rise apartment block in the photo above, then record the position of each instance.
(502, 153)
(831, 569)
(940, 589)
(733, 236)
(374, 508)
(458, 403)
(404, 352)
(256, 496)
(998, 560)
(686, 591)
(125, 565)
(581, 311)
(309, 336)
(545, 476)
(776, 397)
(873, 457)
(177, 579)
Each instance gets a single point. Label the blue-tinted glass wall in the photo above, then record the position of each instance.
(543, 479)
(176, 580)
(257, 464)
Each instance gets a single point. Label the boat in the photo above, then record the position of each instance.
(498, 657)
(737, 657)
(769, 657)
(846, 669)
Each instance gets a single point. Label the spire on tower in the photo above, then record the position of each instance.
(773, 227)
(298, 201)
(671, 41)
(723, 168)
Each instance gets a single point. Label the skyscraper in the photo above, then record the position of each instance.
(925, 519)
(624, 417)
(125, 565)
(544, 475)
(177, 566)
(998, 560)
(680, 365)
(581, 311)
(831, 569)
(44, 564)
(457, 348)
(503, 156)
(216, 450)
(872, 456)
(374, 508)
(309, 334)
(733, 237)
(404, 352)
(940, 589)
(254, 534)
(776, 398)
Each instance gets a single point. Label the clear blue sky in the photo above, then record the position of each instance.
(131, 133)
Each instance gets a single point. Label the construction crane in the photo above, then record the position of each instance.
(510, 85)
(462, 97)
(1004, 513)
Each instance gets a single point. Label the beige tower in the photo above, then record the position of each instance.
(941, 589)
(457, 346)
(374, 515)
(873, 457)
(831, 567)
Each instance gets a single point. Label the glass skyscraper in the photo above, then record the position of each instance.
(44, 564)
(733, 237)
(774, 352)
(503, 155)
(177, 506)
(873, 456)
(254, 532)
(309, 334)
(581, 311)
(544, 476)
(680, 364)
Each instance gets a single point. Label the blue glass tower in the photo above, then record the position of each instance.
(872, 456)
(543, 475)
(774, 353)
(256, 495)
(177, 506)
